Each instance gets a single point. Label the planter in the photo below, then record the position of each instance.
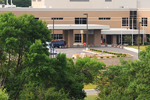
(105, 45)
(116, 45)
(122, 47)
(78, 45)
(112, 45)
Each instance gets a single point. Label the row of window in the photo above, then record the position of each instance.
(60, 36)
(125, 21)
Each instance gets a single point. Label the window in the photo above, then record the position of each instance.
(108, 0)
(60, 18)
(78, 38)
(105, 18)
(133, 14)
(57, 36)
(36, 19)
(144, 21)
(80, 20)
(124, 21)
(79, 0)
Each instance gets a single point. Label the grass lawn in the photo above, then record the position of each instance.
(90, 86)
(136, 47)
(91, 97)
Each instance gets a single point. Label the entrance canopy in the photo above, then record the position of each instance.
(77, 26)
(123, 31)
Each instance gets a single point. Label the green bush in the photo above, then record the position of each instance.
(113, 56)
(102, 57)
(135, 43)
(107, 57)
(118, 55)
(145, 43)
(129, 43)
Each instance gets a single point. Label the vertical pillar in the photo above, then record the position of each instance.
(82, 38)
(114, 39)
(97, 37)
(65, 36)
(70, 38)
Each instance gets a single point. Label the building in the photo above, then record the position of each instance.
(108, 20)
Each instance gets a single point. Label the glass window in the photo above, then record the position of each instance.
(144, 21)
(80, 20)
(57, 36)
(124, 21)
(55, 18)
(78, 38)
(104, 18)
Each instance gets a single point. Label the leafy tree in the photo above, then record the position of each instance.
(128, 39)
(130, 81)
(3, 94)
(16, 36)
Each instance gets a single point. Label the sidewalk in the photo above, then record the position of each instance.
(132, 49)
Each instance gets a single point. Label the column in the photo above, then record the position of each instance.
(70, 38)
(114, 39)
(97, 37)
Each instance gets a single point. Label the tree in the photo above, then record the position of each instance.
(128, 39)
(130, 81)
(3, 94)
(16, 36)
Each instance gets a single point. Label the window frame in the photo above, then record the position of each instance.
(75, 37)
(145, 21)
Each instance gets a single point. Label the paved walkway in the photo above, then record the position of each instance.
(131, 49)
(91, 92)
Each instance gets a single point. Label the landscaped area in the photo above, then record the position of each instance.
(136, 47)
(91, 97)
(90, 86)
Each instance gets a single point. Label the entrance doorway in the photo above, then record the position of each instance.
(109, 39)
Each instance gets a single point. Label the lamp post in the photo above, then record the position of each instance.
(139, 40)
(87, 30)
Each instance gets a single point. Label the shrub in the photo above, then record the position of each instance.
(102, 57)
(118, 55)
(135, 43)
(129, 43)
(124, 55)
(145, 43)
(107, 57)
(113, 56)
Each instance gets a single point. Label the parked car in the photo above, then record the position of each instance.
(51, 51)
(58, 43)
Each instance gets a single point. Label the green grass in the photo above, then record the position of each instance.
(90, 86)
(136, 47)
(91, 97)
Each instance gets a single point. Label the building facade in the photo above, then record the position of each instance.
(121, 17)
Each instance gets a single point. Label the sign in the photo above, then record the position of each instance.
(84, 43)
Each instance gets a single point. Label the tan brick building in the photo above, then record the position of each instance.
(109, 20)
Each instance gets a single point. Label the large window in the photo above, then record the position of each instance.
(144, 21)
(80, 20)
(36, 19)
(78, 38)
(55, 18)
(124, 21)
(57, 36)
(133, 15)
(104, 18)
(79, 0)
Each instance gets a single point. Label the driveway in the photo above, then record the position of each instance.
(70, 51)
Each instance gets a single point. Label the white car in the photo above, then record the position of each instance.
(51, 51)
